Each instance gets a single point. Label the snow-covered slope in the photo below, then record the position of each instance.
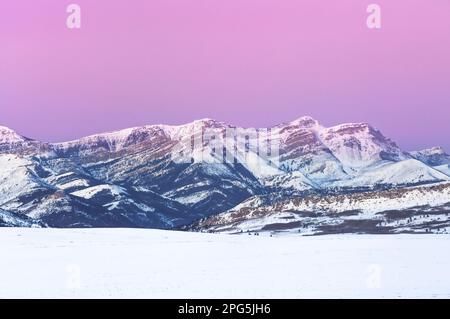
(8, 219)
(393, 210)
(409, 171)
(19, 177)
(435, 157)
(443, 169)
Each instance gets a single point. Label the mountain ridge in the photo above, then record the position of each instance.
(303, 122)
(131, 178)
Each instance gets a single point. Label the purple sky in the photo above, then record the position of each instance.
(247, 62)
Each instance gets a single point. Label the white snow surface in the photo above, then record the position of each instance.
(136, 263)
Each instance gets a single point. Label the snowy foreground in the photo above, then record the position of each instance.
(125, 263)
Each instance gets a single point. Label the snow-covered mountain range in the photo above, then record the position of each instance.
(132, 178)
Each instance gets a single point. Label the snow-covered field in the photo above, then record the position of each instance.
(127, 263)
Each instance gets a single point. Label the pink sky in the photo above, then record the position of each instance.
(247, 62)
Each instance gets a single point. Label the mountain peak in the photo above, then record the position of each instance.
(206, 119)
(305, 122)
(4, 129)
(206, 123)
(436, 150)
(351, 126)
(8, 135)
(434, 156)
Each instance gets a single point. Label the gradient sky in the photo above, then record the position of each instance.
(246, 62)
